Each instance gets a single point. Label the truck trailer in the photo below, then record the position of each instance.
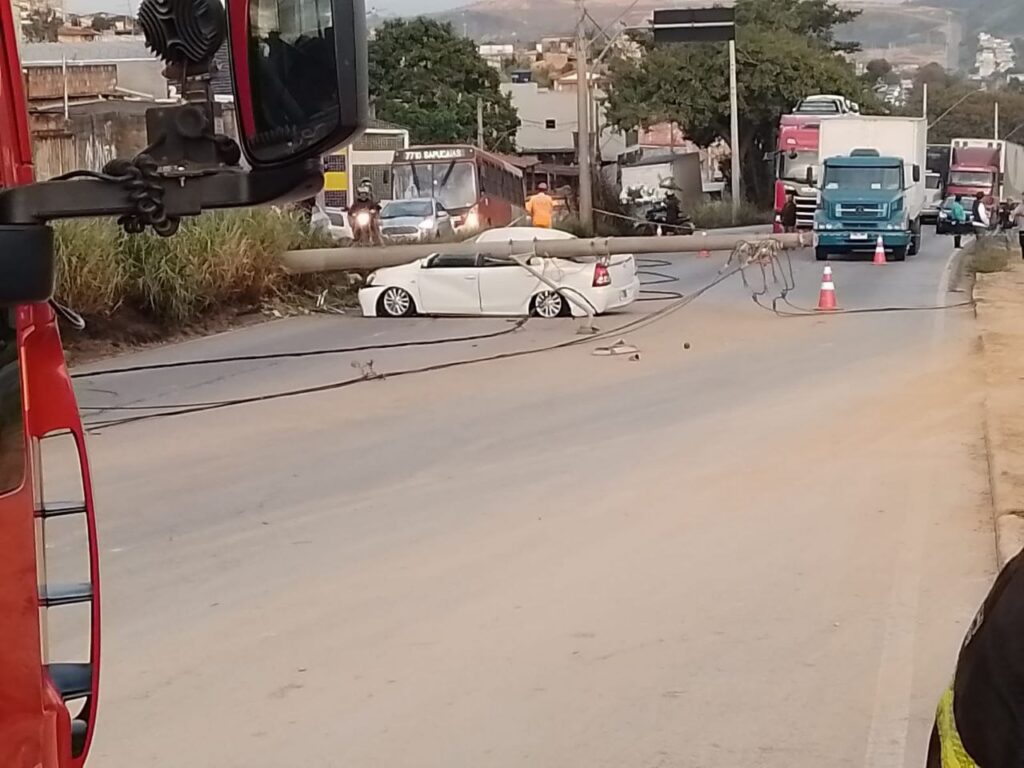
(872, 185)
(995, 168)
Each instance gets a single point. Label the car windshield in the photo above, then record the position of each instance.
(398, 208)
(793, 166)
(970, 178)
(888, 179)
(451, 183)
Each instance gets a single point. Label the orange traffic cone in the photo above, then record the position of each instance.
(827, 296)
(704, 253)
(879, 252)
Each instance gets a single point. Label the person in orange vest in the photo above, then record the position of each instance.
(541, 207)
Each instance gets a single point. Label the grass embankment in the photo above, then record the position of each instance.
(218, 263)
(990, 254)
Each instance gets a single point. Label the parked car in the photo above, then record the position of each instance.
(943, 219)
(415, 220)
(481, 285)
(933, 197)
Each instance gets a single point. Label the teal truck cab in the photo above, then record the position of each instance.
(871, 186)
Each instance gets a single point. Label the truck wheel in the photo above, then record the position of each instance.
(899, 254)
(821, 254)
(914, 246)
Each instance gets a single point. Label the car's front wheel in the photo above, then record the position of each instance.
(549, 304)
(395, 302)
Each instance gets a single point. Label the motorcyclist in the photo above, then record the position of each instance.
(672, 209)
(364, 214)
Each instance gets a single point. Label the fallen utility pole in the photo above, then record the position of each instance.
(355, 257)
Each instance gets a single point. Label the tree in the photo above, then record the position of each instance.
(878, 69)
(815, 19)
(41, 26)
(425, 77)
(777, 66)
(101, 23)
(962, 110)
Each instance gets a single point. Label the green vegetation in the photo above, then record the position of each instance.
(715, 214)
(218, 260)
(426, 78)
(990, 254)
(958, 108)
(785, 50)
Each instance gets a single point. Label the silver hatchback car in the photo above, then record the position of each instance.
(418, 219)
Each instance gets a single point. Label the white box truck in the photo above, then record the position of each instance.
(871, 184)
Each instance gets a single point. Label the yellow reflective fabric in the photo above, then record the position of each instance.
(954, 754)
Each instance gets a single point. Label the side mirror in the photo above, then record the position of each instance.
(300, 76)
(916, 173)
(809, 175)
(442, 214)
(27, 264)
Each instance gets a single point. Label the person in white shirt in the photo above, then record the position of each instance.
(979, 215)
(1017, 220)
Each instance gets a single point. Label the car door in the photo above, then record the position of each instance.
(449, 285)
(506, 288)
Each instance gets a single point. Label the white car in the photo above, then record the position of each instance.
(480, 285)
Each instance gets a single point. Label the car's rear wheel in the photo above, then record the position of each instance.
(396, 302)
(549, 304)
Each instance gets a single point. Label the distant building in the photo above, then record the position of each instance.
(139, 72)
(496, 54)
(995, 56)
(76, 34)
(548, 122)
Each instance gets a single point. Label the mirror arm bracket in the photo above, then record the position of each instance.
(183, 195)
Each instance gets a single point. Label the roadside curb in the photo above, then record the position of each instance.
(999, 298)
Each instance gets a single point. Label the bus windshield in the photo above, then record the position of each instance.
(451, 183)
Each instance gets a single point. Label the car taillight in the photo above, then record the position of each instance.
(601, 276)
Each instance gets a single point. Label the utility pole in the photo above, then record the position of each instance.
(995, 126)
(583, 155)
(734, 128)
(480, 123)
(924, 100)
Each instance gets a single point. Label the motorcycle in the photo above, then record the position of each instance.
(656, 217)
(365, 226)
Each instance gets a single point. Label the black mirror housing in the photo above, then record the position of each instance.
(916, 173)
(300, 77)
(28, 270)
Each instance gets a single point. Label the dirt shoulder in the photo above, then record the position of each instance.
(1000, 311)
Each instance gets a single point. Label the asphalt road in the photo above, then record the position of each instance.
(762, 550)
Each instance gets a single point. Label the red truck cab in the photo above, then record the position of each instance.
(796, 166)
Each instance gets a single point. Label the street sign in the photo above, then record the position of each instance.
(694, 25)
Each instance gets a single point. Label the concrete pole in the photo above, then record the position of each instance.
(734, 129)
(583, 154)
(924, 100)
(480, 123)
(995, 126)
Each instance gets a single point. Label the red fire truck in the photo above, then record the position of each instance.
(795, 166)
(291, 112)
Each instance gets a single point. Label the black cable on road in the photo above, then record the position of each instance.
(300, 354)
(641, 322)
(646, 267)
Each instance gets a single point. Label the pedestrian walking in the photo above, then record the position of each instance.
(787, 216)
(959, 216)
(541, 207)
(1017, 220)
